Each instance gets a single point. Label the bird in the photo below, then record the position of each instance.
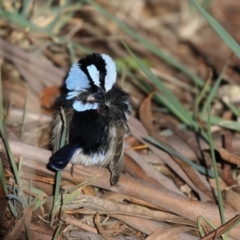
(96, 110)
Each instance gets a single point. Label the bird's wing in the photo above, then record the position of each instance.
(58, 129)
(116, 151)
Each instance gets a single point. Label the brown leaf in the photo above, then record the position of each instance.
(48, 96)
(145, 113)
(89, 190)
(227, 156)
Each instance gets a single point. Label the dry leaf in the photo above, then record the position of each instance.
(48, 96)
(170, 234)
(227, 156)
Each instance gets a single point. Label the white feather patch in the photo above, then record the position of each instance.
(80, 107)
(87, 160)
(94, 74)
(77, 80)
(111, 75)
(97, 158)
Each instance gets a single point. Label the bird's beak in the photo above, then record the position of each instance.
(91, 98)
(97, 96)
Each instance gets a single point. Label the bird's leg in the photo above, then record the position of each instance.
(71, 170)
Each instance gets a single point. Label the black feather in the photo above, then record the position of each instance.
(62, 157)
(96, 60)
(90, 130)
(117, 100)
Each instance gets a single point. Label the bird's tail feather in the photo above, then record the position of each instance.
(62, 157)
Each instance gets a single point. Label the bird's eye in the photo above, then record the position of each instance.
(98, 95)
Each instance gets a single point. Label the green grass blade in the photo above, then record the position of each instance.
(220, 200)
(222, 122)
(57, 232)
(25, 112)
(25, 5)
(233, 108)
(213, 91)
(218, 28)
(200, 225)
(58, 176)
(8, 150)
(200, 97)
(4, 184)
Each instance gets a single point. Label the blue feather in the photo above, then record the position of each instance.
(81, 107)
(63, 156)
(77, 80)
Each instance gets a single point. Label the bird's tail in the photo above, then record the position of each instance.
(62, 157)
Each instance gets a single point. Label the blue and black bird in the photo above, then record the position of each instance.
(95, 110)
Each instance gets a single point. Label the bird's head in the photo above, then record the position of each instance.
(89, 80)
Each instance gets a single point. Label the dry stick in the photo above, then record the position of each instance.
(123, 213)
(108, 207)
(150, 226)
(172, 233)
(161, 197)
(78, 223)
(78, 234)
(143, 225)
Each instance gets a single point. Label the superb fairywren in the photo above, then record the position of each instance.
(95, 110)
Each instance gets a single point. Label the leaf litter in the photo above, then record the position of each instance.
(160, 195)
